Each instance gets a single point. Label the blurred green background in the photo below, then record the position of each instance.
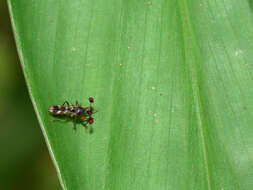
(24, 158)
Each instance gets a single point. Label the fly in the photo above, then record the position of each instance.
(76, 112)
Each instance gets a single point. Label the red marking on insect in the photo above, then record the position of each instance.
(91, 99)
(75, 112)
(91, 120)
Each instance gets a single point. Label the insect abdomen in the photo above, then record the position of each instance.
(58, 110)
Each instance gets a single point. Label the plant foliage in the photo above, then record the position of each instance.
(172, 83)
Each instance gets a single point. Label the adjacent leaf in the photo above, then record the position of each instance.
(172, 82)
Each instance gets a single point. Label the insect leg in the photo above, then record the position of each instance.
(66, 102)
(75, 117)
(91, 130)
(77, 104)
(85, 125)
(55, 119)
(52, 120)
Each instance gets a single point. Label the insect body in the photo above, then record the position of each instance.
(76, 112)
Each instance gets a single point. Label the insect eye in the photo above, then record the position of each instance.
(91, 99)
(91, 120)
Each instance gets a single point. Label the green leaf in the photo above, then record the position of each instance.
(172, 83)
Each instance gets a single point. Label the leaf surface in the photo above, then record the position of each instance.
(172, 83)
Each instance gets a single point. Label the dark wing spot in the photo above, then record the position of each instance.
(62, 108)
(55, 107)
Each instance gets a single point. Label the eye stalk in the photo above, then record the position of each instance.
(90, 111)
